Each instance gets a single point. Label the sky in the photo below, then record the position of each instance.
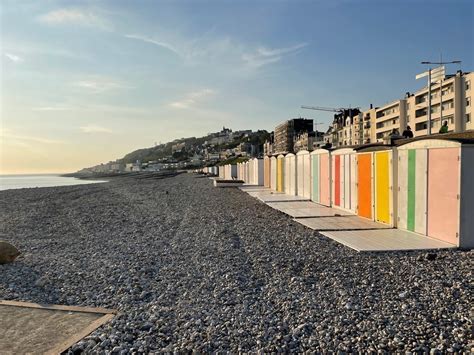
(85, 82)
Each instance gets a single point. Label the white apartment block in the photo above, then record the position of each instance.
(453, 106)
(389, 117)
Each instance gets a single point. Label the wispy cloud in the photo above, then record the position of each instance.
(222, 52)
(155, 42)
(98, 85)
(193, 98)
(7, 134)
(82, 17)
(263, 56)
(91, 128)
(13, 57)
(52, 108)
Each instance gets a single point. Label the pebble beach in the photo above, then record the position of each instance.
(193, 267)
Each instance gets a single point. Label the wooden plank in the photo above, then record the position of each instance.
(108, 314)
(80, 335)
(58, 307)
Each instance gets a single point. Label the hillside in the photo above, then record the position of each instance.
(192, 145)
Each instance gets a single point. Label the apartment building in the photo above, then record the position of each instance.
(451, 103)
(285, 133)
(343, 127)
(308, 141)
(392, 116)
(469, 101)
(367, 126)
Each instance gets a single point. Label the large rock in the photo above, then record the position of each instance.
(8, 252)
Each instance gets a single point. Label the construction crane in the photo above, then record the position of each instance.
(329, 109)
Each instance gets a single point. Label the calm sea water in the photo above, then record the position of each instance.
(8, 182)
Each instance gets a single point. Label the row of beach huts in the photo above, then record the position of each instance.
(424, 186)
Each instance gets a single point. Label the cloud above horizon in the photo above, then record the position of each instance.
(263, 56)
(9, 135)
(193, 98)
(14, 58)
(92, 128)
(156, 43)
(97, 85)
(77, 16)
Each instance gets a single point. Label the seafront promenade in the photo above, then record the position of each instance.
(193, 267)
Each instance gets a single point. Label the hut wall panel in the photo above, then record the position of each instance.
(466, 234)
(353, 183)
(260, 175)
(420, 168)
(280, 174)
(290, 174)
(315, 181)
(306, 176)
(300, 174)
(347, 182)
(364, 188)
(382, 187)
(443, 190)
(273, 173)
(403, 189)
(266, 172)
(337, 180)
(325, 183)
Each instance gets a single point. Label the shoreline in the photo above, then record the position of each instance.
(193, 267)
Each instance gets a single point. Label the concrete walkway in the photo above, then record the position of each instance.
(344, 227)
(340, 223)
(305, 209)
(386, 240)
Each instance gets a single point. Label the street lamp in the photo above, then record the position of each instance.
(439, 74)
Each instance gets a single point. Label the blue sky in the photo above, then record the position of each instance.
(85, 82)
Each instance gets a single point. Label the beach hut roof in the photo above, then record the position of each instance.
(463, 138)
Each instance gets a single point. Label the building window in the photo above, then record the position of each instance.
(468, 117)
(468, 101)
(468, 84)
(448, 105)
(408, 118)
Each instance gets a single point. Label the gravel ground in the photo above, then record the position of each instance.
(193, 267)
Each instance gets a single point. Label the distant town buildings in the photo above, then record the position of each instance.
(286, 132)
(451, 101)
(308, 141)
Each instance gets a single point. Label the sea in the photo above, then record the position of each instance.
(9, 182)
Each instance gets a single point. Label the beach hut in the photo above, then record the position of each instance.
(435, 196)
(247, 172)
(321, 176)
(230, 171)
(344, 179)
(303, 174)
(273, 173)
(266, 171)
(280, 173)
(239, 172)
(376, 178)
(222, 172)
(257, 171)
(290, 174)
